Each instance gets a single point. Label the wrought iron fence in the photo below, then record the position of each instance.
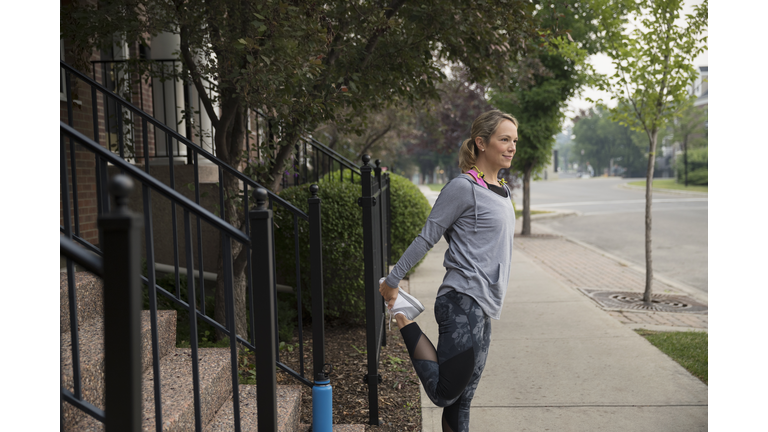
(162, 90)
(195, 217)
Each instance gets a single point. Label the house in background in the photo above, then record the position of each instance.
(700, 88)
(666, 162)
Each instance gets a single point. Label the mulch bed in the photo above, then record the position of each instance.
(345, 347)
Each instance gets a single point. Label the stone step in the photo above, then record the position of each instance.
(288, 411)
(89, 289)
(176, 391)
(91, 345)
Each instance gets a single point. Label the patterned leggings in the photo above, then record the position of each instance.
(451, 373)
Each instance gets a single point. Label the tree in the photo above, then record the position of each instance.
(382, 136)
(690, 131)
(442, 125)
(538, 102)
(303, 63)
(603, 140)
(654, 67)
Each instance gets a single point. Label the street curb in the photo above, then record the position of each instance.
(695, 293)
(670, 191)
(553, 214)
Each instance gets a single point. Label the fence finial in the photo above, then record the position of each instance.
(121, 187)
(260, 196)
(378, 162)
(313, 190)
(366, 159)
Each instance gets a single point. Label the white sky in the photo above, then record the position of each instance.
(602, 64)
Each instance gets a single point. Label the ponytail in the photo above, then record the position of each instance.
(467, 155)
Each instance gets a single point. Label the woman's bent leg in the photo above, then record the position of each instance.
(456, 416)
(450, 373)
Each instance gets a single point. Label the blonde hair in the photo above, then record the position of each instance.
(484, 126)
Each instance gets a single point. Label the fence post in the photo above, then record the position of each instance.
(373, 300)
(262, 262)
(122, 310)
(382, 255)
(322, 392)
(388, 225)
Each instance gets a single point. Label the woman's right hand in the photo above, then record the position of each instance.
(389, 293)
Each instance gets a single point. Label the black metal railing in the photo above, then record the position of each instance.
(122, 297)
(104, 160)
(313, 160)
(168, 97)
(262, 271)
(375, 201)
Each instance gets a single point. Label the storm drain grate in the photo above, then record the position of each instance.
(628, 300)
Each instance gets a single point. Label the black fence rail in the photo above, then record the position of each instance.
(312, 160)
(375, 201)
(195, 217)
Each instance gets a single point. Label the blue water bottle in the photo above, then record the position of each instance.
(322, 403)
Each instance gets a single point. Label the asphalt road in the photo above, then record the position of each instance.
(612, 218)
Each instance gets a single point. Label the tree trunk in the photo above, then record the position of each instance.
(279, 164)
(648, 204)
(527, 200)
(230, 143)
(239, 285)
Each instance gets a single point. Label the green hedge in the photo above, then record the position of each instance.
(410, 210)
(698, 161)
(342, 225)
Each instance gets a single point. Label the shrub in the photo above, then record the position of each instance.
(698, 177)
(342, 248)
(342, 225)
(698, 161)
(410, 209)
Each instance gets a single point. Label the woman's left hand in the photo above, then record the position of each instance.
(389, 293)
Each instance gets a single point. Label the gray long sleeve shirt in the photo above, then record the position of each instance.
(479, 226)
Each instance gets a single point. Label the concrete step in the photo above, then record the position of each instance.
(91, 345)
(90, 298)
(176, 391)
(288, 411)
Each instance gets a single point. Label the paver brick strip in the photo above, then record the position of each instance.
(579, 267)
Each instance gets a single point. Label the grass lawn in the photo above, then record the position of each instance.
(690, 349)
(671, 184)
(519, 213)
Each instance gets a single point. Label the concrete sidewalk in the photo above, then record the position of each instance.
(557, 362)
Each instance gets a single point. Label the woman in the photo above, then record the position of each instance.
(475, 214)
